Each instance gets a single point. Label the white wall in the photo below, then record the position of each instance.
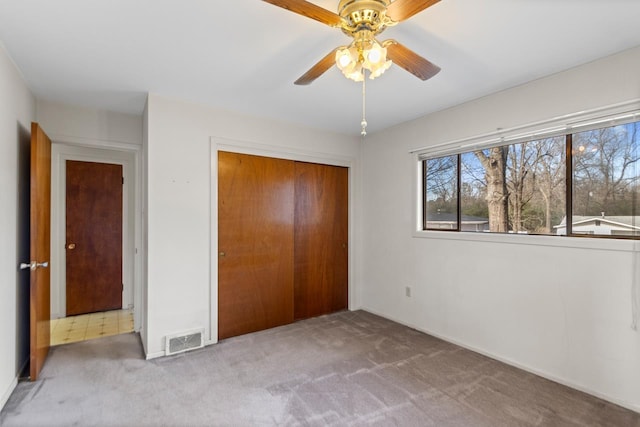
(556, 306)
(17, 110)
(180, 217)
(89, 126)
(142, 306)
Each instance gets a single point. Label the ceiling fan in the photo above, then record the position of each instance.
(363, 20)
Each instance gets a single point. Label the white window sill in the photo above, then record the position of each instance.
(604, 244)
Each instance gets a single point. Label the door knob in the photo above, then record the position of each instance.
(71, 246)
(42, 264)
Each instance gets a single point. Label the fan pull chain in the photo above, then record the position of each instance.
(363, 123)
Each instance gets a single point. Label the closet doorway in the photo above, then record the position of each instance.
(282, 241)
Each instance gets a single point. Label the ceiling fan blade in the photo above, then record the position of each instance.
(317, 70)
(309, 10)
(399, 10)
(410, 61)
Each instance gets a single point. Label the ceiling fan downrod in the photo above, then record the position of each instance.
(363, 123)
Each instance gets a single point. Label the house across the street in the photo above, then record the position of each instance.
(602, 225)
(449, 220)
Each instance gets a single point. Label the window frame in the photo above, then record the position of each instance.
(568, 140)
(424, 198)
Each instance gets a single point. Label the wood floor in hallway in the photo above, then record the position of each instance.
(89, 326)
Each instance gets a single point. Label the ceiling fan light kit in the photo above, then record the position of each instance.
(363, 20)
(365, 53)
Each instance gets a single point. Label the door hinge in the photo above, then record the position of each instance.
(123, 287)
(123, 180)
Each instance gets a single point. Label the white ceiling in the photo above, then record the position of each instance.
(244, 55)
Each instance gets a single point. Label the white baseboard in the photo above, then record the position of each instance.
(535, 371)
(155, 355)
(7, 394)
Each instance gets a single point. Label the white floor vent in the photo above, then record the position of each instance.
(184, 341)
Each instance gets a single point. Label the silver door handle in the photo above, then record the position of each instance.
(30, 266)
(33, 265)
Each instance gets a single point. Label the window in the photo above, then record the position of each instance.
(606, 175)
(441, 198)
(531, 187)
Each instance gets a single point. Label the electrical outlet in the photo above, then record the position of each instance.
(407, 291)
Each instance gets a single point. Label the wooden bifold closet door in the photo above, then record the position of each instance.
(255, 243)
(320, 240)
(282, 242)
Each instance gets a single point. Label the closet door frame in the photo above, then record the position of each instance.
(286, 153)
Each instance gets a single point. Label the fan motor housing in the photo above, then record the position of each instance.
(363, 14)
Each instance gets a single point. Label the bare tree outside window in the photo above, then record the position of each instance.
(494, 162)
(527, 189)
(521, 183)
(606, 179)
(441, 193)
(473, 194)
(550, 170)
(521, 188)
(535, 183)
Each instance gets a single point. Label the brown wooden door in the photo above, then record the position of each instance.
(93, 237)
(40, 249)
(321, 239)
(255, 243)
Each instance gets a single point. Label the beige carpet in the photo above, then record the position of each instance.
(350, 368)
